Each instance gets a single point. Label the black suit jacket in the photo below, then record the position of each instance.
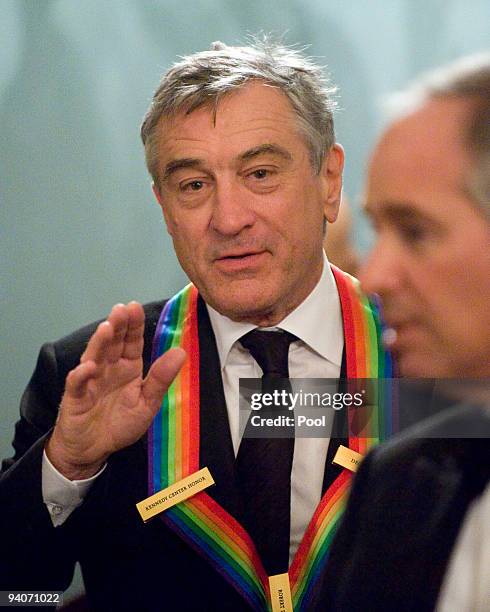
(126, 565)
(406, 507)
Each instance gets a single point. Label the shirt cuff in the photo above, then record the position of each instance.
(63, 496)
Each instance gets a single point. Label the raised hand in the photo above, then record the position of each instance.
(107, 405)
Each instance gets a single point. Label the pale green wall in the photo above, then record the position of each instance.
(79, 228)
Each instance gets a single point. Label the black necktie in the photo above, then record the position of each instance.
(264, 464)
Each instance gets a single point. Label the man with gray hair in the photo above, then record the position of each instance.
(416, 532)
(240, 144)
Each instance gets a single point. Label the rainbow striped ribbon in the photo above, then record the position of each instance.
(365, 358)
(173, 450)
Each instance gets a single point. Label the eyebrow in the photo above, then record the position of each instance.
(178, 164)
(194, 162)
(270, 148)
(389, 209)
(397, 211)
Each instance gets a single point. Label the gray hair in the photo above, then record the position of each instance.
(467, 78)
(203, 78)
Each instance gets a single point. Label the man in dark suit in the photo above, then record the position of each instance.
(241, 149)
(415, 534)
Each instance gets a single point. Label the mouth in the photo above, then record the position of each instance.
(236, 261)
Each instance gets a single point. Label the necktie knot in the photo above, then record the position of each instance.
(270, 349)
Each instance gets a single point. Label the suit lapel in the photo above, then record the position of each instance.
(216, 447)
(152, 314)
(339, 436)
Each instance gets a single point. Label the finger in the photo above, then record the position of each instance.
(132, 346)
(98, 344)
(77, 379)
(161, 375)
(118, 318)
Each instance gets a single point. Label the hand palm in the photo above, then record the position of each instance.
(107, 404)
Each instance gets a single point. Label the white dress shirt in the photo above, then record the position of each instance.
(317, 322)
(466, 585)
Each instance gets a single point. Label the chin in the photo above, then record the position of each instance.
(242, 304)
(416, 365)
(244, 311)
(258, 312)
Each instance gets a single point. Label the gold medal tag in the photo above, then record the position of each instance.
(347, 458)
(280, 593)
(174, 494)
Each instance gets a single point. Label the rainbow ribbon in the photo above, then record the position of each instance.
(173, 450)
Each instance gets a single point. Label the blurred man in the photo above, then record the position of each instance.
(240, 145)
(416, 534)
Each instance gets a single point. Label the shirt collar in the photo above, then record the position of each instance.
(319, 311)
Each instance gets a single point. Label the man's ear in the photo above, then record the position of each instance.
(158, 196)
(331, 173)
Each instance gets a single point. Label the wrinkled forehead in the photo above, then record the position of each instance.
(253, 99)
(251, 116)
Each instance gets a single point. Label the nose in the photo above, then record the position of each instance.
(382, 271)
(232, 209)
